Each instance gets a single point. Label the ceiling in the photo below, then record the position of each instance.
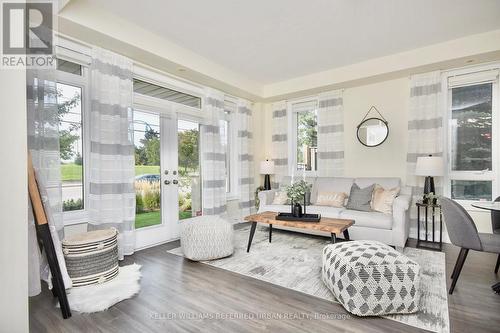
(271, 41)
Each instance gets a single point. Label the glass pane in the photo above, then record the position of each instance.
(69, 67)
(307, 140)
(147, 169)
(69, 104)
(153, 90)
(471, 127)
(471, 190)
(189, 169)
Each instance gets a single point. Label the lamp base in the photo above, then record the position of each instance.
(267, 182)
(428, 187)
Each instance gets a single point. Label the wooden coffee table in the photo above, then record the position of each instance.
(333, 226)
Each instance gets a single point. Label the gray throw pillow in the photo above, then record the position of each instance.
(360, 198)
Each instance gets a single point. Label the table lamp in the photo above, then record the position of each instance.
(429, 167)
(267, 168)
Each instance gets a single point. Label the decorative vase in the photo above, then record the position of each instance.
(297, 210)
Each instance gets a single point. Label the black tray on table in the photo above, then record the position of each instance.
(303, 218)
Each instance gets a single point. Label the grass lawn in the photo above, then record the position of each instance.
(73, 172)
(153, 218)
(144, 169)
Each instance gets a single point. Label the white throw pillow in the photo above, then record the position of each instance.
(333, 199)
(383, 199)
(280, 198)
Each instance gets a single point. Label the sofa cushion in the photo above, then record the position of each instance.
(331, 184)
(368, 219)
(360, 198)
(385, 182)
(333, 199)
(325, 211)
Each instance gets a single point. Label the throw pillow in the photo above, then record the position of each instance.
(280, 198)
(360, 198)
(383, 199)
(333, 199)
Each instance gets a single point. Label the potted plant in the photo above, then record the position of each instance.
(296, 193)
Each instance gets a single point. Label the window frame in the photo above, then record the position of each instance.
(292, 135)
(80, 81)
(492, 175)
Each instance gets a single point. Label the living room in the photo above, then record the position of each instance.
(250, 166)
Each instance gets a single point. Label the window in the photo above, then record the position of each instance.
(71, 89)
(473, 114)
(153, 90)
(305, 136)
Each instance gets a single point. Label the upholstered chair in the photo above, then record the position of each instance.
(463, 233)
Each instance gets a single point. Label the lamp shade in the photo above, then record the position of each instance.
(267, 167)
(429, 166)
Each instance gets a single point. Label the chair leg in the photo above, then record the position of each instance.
(498, 264)
(460, 254)
(463, 256)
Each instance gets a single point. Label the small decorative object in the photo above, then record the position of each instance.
(429, 166)
(266, 169)
(372, 131)
(296, 192)
(257, 200)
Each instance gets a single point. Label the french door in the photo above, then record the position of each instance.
(168, 175)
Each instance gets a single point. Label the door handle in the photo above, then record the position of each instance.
(166, 182)
(175, 181)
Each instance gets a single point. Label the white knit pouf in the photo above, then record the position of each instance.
(370, 278)
(206, 238)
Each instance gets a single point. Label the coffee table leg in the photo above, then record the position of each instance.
(270, 232)
(334, 238)
(252, 232)
(346, 234)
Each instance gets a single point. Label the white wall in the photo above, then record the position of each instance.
(388, 160)
(13, 203)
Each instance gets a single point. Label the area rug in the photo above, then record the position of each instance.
(100, 297)
(293, 261)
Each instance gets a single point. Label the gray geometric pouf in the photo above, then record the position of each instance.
(206, 238)
(370, 278)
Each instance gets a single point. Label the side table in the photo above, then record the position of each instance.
(431, 211)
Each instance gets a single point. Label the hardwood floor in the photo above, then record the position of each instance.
(172, 286)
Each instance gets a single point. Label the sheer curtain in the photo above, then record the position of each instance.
(425, 128)
(331, 134)
(245, 157)
(43, 144)
(213, 162)
(111, 193)
(280, 142)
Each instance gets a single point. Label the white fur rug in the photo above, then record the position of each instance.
(101, 296)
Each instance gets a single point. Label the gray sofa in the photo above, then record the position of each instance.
(391, 229)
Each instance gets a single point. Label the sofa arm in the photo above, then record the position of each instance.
(266, 197)
(401, 220)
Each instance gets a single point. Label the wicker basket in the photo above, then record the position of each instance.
(91, 257)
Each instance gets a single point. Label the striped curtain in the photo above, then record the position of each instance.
(279, 142)
(330, 134)
(425, 128)
(213, 164)
(245, 157)
(111, 192)
(43, 144)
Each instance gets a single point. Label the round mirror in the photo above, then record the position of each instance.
(373, 132)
